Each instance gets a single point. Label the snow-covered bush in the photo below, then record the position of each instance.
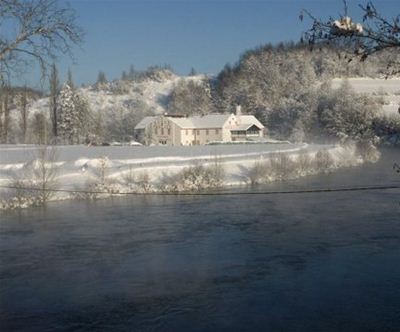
(194, 178)
(323, 161)
(35, 182)
(368, 151)
(282, 167)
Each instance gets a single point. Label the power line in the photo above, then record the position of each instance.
(213, 193)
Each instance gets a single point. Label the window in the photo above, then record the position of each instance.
(207, 132)
(156, 131)
(216, 131)
(162, 131)
(169, 131)
(198, 132)
(187, 132)
(194, 132)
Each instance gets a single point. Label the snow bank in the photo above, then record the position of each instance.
(97, 172)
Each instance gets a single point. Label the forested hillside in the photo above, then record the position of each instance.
(287, 86)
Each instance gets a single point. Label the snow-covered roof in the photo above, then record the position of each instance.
(145, 121)
(205, 121)
(250, 119)
(244, 127)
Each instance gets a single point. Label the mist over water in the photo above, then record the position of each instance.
(311, 262)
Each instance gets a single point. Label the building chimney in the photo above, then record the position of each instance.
(238, 110)
(238, 113)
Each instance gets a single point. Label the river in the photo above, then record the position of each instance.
(309, 262)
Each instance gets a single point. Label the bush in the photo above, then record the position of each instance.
(323, 161)
(282, 167)
(194, 178)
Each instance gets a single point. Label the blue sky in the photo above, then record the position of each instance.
(201, 34)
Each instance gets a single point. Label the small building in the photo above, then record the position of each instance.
(198, 130)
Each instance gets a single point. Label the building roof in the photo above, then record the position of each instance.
(250, 119)
(244, 127)
(206, 121)
(145, 121)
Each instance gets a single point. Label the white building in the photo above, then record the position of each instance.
(198, 130)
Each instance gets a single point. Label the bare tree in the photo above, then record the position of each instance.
(23, 104)
(45, 172)
(376, 33)
(53, 102)
(39, 128)
(35, 31)
(5, 94)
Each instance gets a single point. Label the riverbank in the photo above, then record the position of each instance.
(78, 172)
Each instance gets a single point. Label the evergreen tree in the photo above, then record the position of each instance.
(70, 81)
(69, 119)
(192, 72)
(132, 73)
(101, 79)
(124, 76)
(74, 115)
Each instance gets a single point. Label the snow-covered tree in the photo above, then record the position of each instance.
(374, 34)
(344, 114)
(69, 122)
(191, 98)
(74, 110)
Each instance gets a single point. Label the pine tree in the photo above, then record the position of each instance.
(70, 81)
(69, 120)
(101, 79)
(132, 73)
(192, 72)
(74, 110)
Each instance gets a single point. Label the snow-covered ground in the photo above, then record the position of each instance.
(388, 89)
(124, 96)
(79, 165)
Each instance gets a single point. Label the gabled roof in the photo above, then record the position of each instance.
(202, 122)
(145, 121)
(244, 127)
(205, 121)
(250, 119)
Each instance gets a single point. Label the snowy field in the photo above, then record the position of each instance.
(12, 154)
(388, 89)
(80, 167)
(78, 163)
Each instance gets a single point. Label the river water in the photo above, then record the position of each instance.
(310, 262)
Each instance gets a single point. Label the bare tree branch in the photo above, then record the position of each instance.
(35, 31)
(376, 33)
